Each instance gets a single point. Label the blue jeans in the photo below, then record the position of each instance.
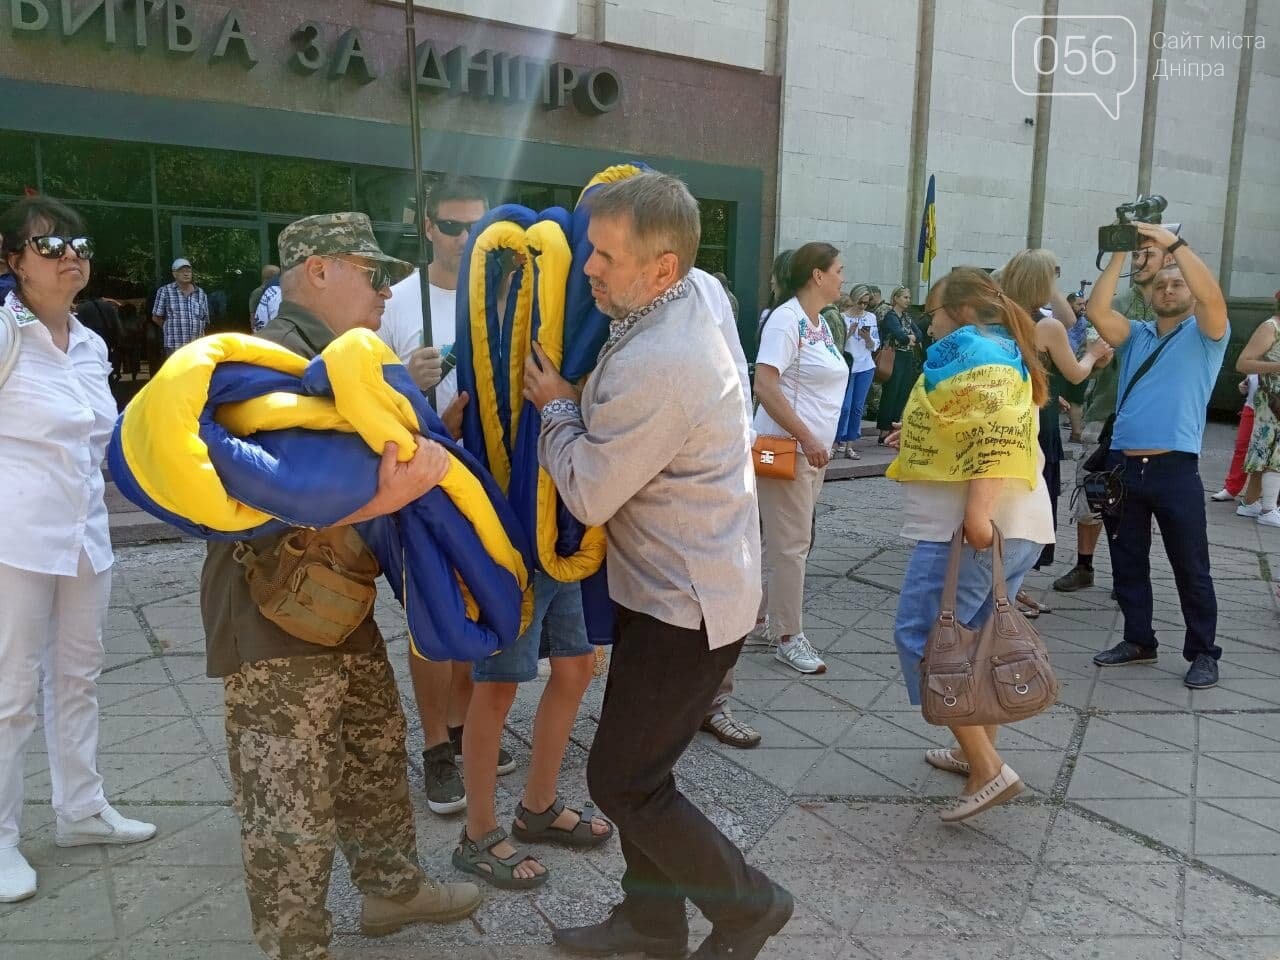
(1167, 487)
(921, 598)
(557, 630)
(855, 403)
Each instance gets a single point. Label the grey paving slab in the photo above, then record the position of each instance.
(1148, 829)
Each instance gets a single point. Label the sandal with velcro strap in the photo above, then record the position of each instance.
(538, 827)
(477, 858)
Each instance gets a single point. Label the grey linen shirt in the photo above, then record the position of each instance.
(659, 452)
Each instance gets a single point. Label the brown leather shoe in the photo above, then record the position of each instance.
(433, 903)
(728, 729)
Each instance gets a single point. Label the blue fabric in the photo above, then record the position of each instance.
(585, 327)
(423, 549)
(970, 347)
(557, 630)
(1166, 410)
(855, 402)
(1169, 489)
(921, 598)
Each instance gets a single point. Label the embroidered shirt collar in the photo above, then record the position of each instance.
(618, 328)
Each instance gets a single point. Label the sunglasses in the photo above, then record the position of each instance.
(454, 228)
(52, 248)
(379, 276)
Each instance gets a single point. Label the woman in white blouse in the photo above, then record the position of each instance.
(800, 382)
(56, 415)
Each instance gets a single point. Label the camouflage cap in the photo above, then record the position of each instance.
(335, 234)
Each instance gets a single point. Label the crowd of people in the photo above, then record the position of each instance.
(704, 551)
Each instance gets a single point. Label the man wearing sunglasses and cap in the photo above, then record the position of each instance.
(181, 308)
(315, 734)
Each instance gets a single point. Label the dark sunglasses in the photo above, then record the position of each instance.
(52, 248)
(454, 228)
(379, 276)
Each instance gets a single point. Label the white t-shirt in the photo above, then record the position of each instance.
(815, 385)
(401, 328)
(931, 510)
(853, 344)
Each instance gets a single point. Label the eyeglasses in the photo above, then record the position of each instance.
(454, 228)
(52, 248)
(379, 276)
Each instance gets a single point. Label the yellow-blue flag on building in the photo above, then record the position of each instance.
(928, 234)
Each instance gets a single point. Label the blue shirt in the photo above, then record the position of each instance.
(1166, 410)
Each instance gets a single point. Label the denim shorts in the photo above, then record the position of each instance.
(921, 598)
(557, 630)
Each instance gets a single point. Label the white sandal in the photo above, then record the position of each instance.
(1001, 789)
(943, 759)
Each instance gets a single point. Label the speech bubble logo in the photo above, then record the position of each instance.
(1077, 59)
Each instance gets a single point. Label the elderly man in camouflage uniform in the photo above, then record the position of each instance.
(315, 734)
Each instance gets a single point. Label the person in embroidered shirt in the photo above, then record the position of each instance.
(181, 309)
(56, 415)
(658, 453)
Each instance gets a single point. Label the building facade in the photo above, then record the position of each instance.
(200, 129)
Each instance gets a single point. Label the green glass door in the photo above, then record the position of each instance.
(227, 257)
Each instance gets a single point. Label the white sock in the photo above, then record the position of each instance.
(1270, 490)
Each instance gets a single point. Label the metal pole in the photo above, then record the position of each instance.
(420, 214)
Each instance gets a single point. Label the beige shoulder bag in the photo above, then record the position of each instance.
(994, 675)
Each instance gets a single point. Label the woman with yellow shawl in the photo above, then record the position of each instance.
(968, 454)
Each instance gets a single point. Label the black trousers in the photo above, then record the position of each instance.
(1167, 487)
(662, 680)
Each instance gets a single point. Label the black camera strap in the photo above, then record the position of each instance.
(1097, 461)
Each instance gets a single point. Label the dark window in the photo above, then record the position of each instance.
(304, 187)
(79, 169)
(17, 163)
(205, 178)
(123, 263)
(714, 250)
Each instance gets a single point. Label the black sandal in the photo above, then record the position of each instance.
(477, 858)
(537, 827)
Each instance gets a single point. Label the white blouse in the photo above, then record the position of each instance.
(56, 417)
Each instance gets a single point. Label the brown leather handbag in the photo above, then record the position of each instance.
(775, 457)
(994, 675)
(885, 358)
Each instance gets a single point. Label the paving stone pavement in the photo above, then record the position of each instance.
(1150, 829)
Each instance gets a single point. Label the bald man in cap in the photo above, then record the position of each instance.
(315, 734)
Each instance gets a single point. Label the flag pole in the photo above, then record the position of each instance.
(419, 193)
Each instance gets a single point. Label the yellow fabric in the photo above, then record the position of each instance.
(161, 442)
(613, 174)
(980, 423)
(161, 430)
(547, 256)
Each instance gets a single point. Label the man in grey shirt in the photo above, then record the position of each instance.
(657, 450)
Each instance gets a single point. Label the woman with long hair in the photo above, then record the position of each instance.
(862, 340)
(982, 337)
(1261, 357)
(800, 381)
(899, 331)
(779, 286)
(56, 416)
(1028, 280)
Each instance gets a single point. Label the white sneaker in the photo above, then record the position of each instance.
(17, 879)
(799, 655)
(1269, 519)
(107, 827)
(1222, 496)
(851, 453)
(1249, 509)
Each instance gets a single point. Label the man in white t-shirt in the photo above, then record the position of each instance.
(453, 208)
(442, 690)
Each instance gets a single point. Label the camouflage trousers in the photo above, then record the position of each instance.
(317, 755)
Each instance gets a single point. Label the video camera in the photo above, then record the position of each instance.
(1122, 236)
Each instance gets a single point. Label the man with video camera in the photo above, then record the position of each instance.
(1167, 367)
